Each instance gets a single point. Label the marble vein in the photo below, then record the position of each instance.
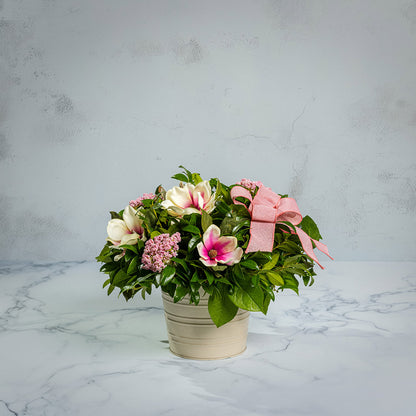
(345, 346)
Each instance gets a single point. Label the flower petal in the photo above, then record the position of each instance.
(211, 235)
(132, 220)
(202, 250)
(210, 205)
(180, 197)
(231, 258)
(209, 263)
(116, 228)
(226, 244)
(130, 239)
(203, 188)
(190, 210)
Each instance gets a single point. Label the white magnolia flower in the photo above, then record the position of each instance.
(189, 199)
(126, 231)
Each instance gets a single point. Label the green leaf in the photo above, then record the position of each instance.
(130, 247)
(128, 256)
(150, 217)
(180, 293)
(168, 273)
(290, 247)
(188, 173)
(196, 178)
(104, 259)
(289, 261)
(195, 277)
(106, 283)
(249, 264)
(272, 262)
(193, 242)
(240, 224)
(244, 282)
(192, 229)
(115, 215)
(182, 262)
(222, 207)
(110, 289)
(291, 283)
(219, 268)
(154, 234)
(308, 225)
(132, 269)
(243, 200)
(120, 278)
(180, 177)
(241, 299)
(275, 278)
(220, 307)
(210, 277)
(206, 220)
(288, 224)
(105, 251)
(227, 225)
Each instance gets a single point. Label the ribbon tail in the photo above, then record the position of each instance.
(322, 247)
(306, 242)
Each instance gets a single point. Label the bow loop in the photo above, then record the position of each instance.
(288, 211)
(266, 209)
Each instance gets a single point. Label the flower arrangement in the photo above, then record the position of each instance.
(242, 244)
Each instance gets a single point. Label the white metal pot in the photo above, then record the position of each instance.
(193, 335)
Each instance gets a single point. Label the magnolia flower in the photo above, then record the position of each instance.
(189, 199)
(215, 249)
(126, 231)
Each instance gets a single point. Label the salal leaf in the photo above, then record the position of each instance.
(272, 262)
(220, 307)
(309, 226)
(196, 178)
(206, 220)
(120, 278)
(210, 277)
(168, 273)
(241, 299)
(275, 278)
(249, 264)
(180, 177)
(192, 229)
(180, 292)
(133, 266)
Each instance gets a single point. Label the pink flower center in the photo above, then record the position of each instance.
(212, 254)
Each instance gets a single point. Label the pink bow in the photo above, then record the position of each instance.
(267, 209)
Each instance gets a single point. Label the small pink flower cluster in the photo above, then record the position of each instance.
(251, 185)
(159, 250)
(135, 203)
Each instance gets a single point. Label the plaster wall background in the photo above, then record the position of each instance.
(100, 101)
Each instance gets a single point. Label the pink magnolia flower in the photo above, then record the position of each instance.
(189, 199)
(215, 249)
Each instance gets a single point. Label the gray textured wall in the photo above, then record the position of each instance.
(101, 100)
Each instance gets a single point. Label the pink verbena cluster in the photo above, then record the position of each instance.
(135, 203)
(159, 250)
(247, 183)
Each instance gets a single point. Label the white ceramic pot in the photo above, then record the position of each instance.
(193, 335)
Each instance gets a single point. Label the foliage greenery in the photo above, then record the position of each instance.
(249, 284)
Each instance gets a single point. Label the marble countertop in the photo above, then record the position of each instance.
(345, 346)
